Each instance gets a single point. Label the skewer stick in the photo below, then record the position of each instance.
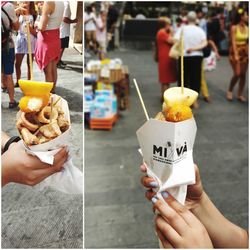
(29, 47)
(59, 98)
(182, 62)
(51, 109)
(140, 97)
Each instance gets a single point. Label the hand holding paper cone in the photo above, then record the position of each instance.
(40, 119)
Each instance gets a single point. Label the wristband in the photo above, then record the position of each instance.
(11, 140)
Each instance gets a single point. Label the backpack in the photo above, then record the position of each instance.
(5, 32)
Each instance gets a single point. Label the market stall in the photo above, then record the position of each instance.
(106, 92)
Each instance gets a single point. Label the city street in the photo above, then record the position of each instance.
(48, 218)
(117, 214)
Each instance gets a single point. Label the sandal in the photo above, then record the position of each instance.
(229, 96)
(241, 98)
(13, 105)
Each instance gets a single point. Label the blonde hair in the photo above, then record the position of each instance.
(165, 20)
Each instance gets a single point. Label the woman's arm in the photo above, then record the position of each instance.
(233, 31)
(214, 48)
(48, 9)
(201, 46)
(223, 233)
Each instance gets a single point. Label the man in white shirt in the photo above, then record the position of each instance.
(65, 30)
(9, 22)
(194, 41)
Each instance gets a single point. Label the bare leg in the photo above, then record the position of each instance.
(48, 71)
(164, 86)
(242, 82)
(62, 50)
(8, 81)
(18, 64)
(28, 64)
(3, 85)
(54, 72)
(234, 80)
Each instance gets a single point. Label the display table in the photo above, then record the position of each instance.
(119, 78)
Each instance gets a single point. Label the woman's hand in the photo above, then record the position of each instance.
(195, 192)
(177, 227)
(20, 167)
(236, 57)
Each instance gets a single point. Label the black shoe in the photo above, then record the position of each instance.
(60, 65)
(13, 105)
(63, 63)
(16, 85)
(4, 90)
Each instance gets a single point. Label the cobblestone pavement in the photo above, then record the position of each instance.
(117, 214)
(46, 219)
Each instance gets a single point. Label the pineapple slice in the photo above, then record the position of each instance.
(173, 96)
(36, 95)
(32, 88)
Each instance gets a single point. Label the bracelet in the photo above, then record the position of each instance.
(11, 140)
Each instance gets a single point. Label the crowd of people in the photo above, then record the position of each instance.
(202, 36)
(99, 28)
(49, 28)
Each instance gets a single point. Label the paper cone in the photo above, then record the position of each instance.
(167, 150)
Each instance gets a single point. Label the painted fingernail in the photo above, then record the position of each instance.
(164, 194)
(154, 199)
(153, 184)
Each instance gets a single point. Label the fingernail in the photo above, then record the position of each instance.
(164, 194)
(153, 184)
(154, 199)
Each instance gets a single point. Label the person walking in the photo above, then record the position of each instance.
(21, 41)
(101, 34)
(48, 45)
(9, 22)
(238, 54)
(90, 28)
(65, 30)
(194, 41)
(166, 65)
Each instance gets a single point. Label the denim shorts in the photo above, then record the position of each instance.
(8, 60)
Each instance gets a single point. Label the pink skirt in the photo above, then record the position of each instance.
(48, 47)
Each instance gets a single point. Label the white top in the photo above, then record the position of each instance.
(65, 27)
(9, 8)
(89, 26)
(56, 17)
(100, 35)
(193, 36)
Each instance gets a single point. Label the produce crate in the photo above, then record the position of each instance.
(103, 123)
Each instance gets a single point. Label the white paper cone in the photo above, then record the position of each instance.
(167, 150)
(70, 180)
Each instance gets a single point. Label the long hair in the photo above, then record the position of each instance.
(240, 12)
(32, 10)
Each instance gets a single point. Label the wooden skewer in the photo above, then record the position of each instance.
(59, 98)
(182, 62)
(29, 47)
(140, 97)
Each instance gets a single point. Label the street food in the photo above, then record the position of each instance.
(176, 106)
(36, 95)
(41, 118)
(43, 126)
